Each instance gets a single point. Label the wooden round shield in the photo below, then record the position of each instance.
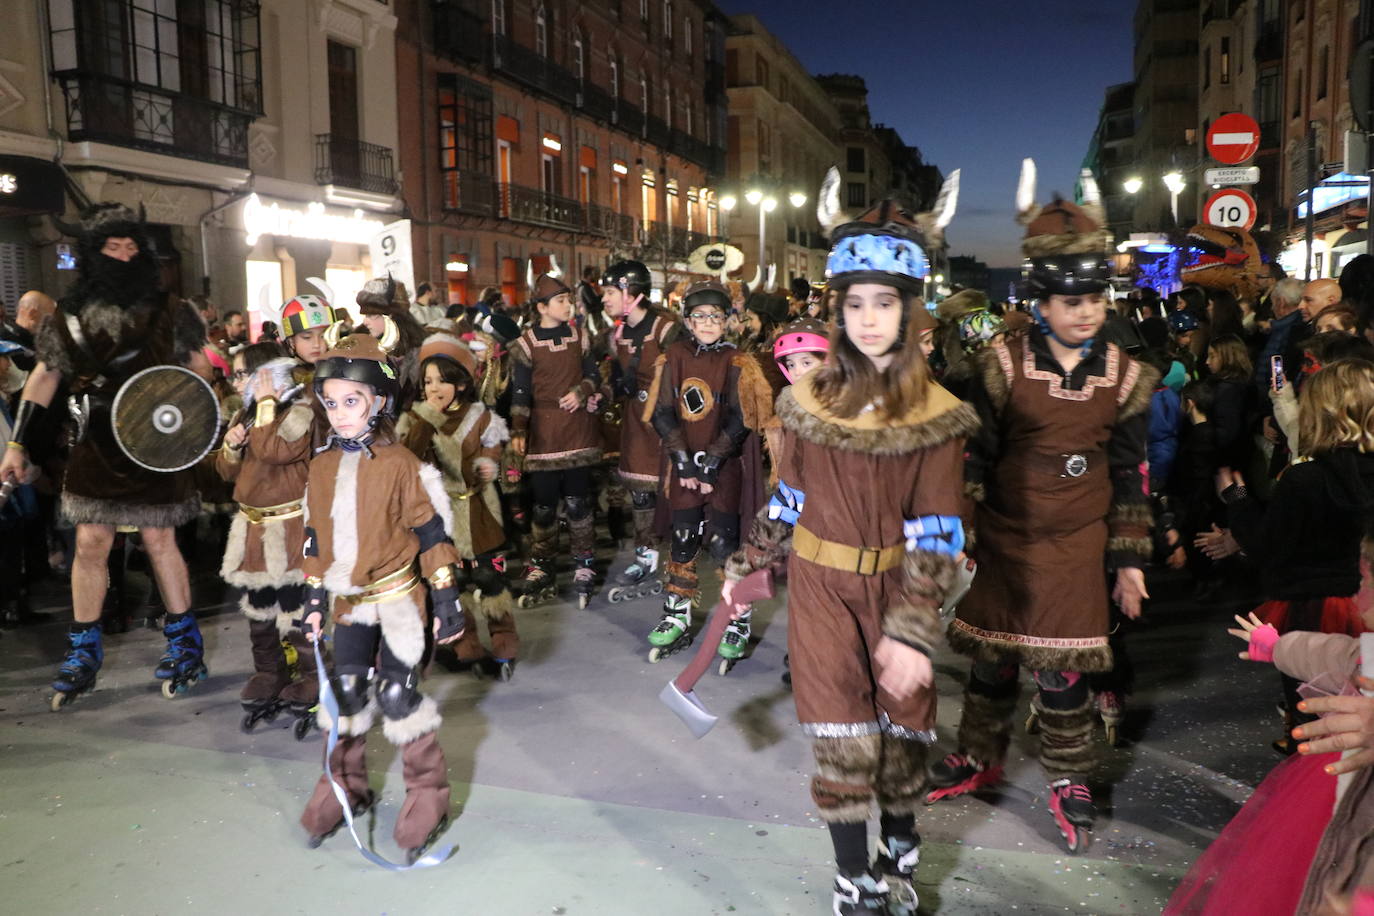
(165, 418)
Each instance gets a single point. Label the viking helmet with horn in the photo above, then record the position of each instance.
(1066, 244)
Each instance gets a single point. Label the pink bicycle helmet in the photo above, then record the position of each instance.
(805, 336)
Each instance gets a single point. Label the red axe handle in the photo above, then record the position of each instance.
(753, 587)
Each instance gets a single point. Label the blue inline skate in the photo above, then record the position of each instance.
(77, 674)
(183, 664)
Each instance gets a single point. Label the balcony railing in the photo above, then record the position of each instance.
(674, 241)
(469, 193)
(657, 132)
(532, 69)
(458, 34)
(354, 164)
(630, 119)
(607, 223)
(108, 110)
(531, 205)
(597, 103)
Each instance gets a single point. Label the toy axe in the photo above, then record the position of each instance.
(677, 695)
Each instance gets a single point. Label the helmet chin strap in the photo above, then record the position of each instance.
(1045, 329)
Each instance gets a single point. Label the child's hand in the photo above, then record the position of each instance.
(1258, 635)
(902, 670)
(1218, 543)
(236, 436)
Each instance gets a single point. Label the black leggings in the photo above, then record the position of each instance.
(548, 487)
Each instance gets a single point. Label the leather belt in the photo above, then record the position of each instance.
(401, 582)
(1066, 464)
(866, 561)
(258, 514)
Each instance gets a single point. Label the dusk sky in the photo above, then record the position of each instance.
(976, 84)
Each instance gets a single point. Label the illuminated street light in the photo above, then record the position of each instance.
(754, 196)
(728, 202)
(797, 198)
(770, 204)
(1175, 183)
(1133, 185)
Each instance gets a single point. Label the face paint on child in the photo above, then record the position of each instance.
(348, 405)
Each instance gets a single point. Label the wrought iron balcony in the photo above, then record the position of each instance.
(597, 103)
(109, 110)
(459, 34)
(674, 241)
(657, 132)
(630, 119)
(532, 69)
(531, 205)
(607, 223)
(465, 192)
(353, 164)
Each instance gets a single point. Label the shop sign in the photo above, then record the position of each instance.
(390, 250)
(313, 222)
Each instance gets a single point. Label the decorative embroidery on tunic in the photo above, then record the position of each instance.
(1056, 380)
(1042, 642)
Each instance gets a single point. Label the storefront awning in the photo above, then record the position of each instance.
(29, 187)
(1339, 189)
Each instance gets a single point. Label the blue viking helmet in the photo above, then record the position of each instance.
(888, 243)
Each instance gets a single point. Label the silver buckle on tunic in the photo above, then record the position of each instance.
(643, 395)
(1075, 466)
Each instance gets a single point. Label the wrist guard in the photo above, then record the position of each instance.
(316, 600)
(443, 591)
(1234, 493)
(709, 469)
(683, 465)
(25, 421)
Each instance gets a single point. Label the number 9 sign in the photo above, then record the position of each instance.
(1230, 207)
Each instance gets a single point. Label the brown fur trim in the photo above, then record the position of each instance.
(1141, 547)
(279, 571)
(1138, 400)
(519, 411)
(765, 545)
(419, 723)
(975, 491)
(296, 423)
(961, 420)
(520, 353)
(901, 779)
(994, 375)
(1132, 514)
(755, 394)
(915, 619)
(580, 458)
(493, 607)
(985, 726)
(49, 347)
(846, 769)
(1086, 660)
(188, 331)
(253, 612)
(1066, 747)
(1040, 246)
(654, 387)
(83, 510)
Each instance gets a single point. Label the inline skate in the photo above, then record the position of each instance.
(637, 580)
(183, 664)
(85, 653)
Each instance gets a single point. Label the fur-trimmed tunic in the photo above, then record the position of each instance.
(361, 516)
(635, 350)
(271, 470)
(460, 443)
(546, 364)
(863, 478)
(102, 485)
(1044, 535)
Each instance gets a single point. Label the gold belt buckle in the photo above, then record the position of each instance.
(254, 515)
(868, 557)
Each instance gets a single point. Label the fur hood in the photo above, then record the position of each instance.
(942, 417)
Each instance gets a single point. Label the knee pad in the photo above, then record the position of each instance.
(291, 597)
(579, 507)
(686, 541)
(397, 696)
(545, 516)
(488, 580)
(642, 499)
(1061, 690)
(351, 690)
(994, 680)
(724, 539)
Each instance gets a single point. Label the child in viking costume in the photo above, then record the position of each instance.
(866, 516)
(554, 374)
(642, 334)
(456, 433)
(384, 304)
(266, 453)
(706, 397)
(1056, 474)
(116, 322)
(376, 520)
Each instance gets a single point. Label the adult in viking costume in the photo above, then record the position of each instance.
(866, 517)
(115, 323)
(1056, 473)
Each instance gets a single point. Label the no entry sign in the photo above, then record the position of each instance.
(1230, 207)
(1233, 138)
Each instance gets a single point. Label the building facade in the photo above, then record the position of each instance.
(256, 136)
(781, 138)
(545, 133)
(1165, 97)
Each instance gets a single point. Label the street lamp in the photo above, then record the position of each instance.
(796, 198)
(727, 203)
(1133, 185)
(754, 195)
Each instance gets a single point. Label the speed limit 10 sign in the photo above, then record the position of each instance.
(1230, 207)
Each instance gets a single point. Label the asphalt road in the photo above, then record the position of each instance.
(576, 792)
